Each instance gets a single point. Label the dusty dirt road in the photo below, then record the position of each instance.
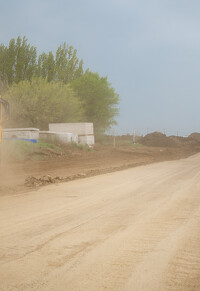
(137, 229)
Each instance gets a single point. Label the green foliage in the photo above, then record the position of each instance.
(3, 86)
(38, 103)
(99, 100)
(17, 61)
(43, 145)
(68, 66)
(83, 147)
(46, 66)
(51, 67)
(25, 62)
(10, 61)
(3, 57)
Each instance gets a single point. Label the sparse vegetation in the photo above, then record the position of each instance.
(21, 150)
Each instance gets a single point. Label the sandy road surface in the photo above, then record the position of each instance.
(138, 229)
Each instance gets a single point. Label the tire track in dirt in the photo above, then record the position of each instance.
(138, 248)
(132, 230)
(183, 272)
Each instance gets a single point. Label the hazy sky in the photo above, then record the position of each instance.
(149, 49)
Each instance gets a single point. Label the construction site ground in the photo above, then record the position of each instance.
(132, 230)
(47, 166)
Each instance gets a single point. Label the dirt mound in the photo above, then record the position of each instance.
(179, 140)
(157, 139)
(195, 136)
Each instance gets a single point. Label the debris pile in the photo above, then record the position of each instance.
(195, 136)
(36, 182)
(157, 139)
(45, 180)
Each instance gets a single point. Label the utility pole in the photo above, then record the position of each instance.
(133, 136)
(114, 141)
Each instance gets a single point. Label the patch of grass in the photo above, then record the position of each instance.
(17, 149)
(21, 150)
(43, 145)
(37, 158)
(81, 147)
(137, 144)
(123, 140)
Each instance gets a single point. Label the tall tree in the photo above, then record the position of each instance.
(39, 102)
(3, 77)
(46, 66)
(25, 60)
(31, 64)
(3, 54)
(42, 70)
(99, 100)
(11, 61)
(17, 61)
(51, 67)
(68, 66)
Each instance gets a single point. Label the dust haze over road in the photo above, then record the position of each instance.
(137, 229)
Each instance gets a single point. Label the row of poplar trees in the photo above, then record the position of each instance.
(53, 88)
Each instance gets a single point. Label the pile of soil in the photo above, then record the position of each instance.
(195, 136)
(180, 140)
(157, 139)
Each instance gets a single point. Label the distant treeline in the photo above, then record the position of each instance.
(48, 88)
